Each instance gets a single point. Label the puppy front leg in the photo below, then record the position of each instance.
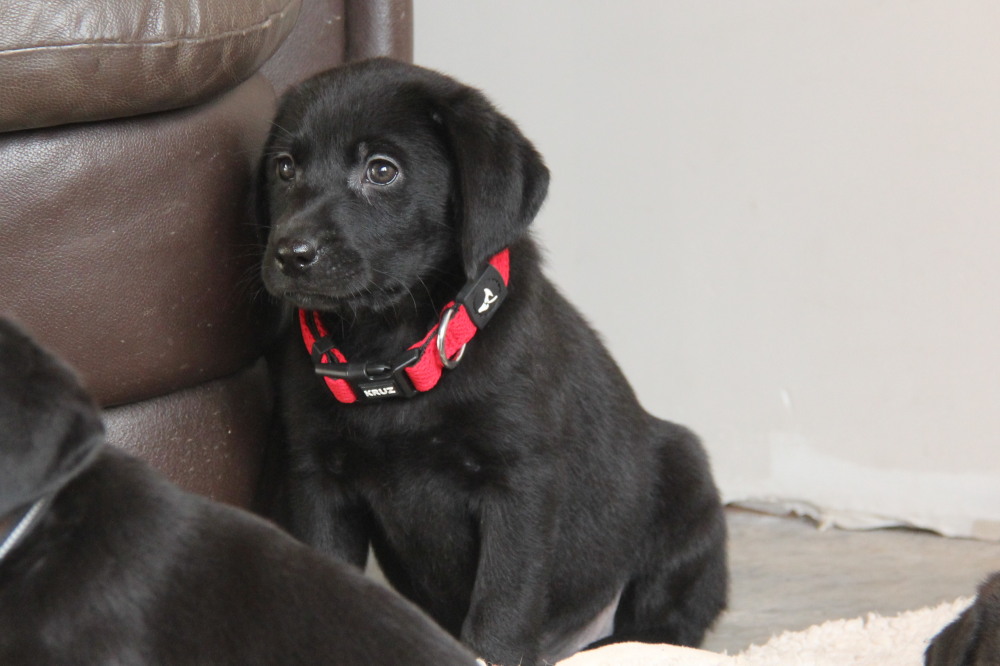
(507, 607)
(330, 519)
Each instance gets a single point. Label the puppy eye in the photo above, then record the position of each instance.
(284, 167)
(381, 171)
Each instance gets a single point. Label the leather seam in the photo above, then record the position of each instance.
(260, 26)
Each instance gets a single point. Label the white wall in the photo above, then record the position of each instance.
(784, 217)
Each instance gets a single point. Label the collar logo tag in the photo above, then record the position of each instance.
(489, 298)
(483, 296)
(380, 392)
(379, 389)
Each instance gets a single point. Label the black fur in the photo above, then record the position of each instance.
(515, 499)
(974, 638)
(124, 568)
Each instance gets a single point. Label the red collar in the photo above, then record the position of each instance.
(420, 367)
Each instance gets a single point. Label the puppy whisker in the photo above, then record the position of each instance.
(284, 130)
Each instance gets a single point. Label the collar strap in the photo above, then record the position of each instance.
(419, 368)
(23, 526)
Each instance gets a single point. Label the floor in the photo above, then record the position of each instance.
(788, 575)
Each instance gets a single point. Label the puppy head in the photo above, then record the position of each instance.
(49, 427)
(381, 179)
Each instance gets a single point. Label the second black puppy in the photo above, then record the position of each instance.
(974, 638)
(523, 498)
(102, 561)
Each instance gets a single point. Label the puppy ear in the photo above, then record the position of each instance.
(501, 178)
(50, 428)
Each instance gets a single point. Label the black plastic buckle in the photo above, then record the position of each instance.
(374, 381)
(483, 296)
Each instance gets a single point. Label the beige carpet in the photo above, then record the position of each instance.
(873, 640)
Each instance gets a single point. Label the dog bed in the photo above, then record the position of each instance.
(873, 640)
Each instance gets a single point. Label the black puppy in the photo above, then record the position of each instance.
(523, 498)
(102, 561)
(974, 638)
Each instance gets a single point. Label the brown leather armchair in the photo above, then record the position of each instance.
(129, 137)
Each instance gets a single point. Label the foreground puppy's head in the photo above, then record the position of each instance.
(49, 426)
(125, 568)
(381, 179)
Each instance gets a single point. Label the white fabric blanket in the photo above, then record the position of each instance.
(873, 640)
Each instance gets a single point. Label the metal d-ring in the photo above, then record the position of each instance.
(442, 332)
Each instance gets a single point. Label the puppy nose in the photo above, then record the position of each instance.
(295, 255)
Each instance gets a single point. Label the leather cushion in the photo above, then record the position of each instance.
(383, 28)
(208, 439)
(317, 43)
(129, 247)
(85, 60)
(331, 32)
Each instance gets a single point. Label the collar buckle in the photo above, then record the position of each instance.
(374, 381)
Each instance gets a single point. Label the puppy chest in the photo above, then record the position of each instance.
(405, 467)
(412, 479)
(432, 535)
